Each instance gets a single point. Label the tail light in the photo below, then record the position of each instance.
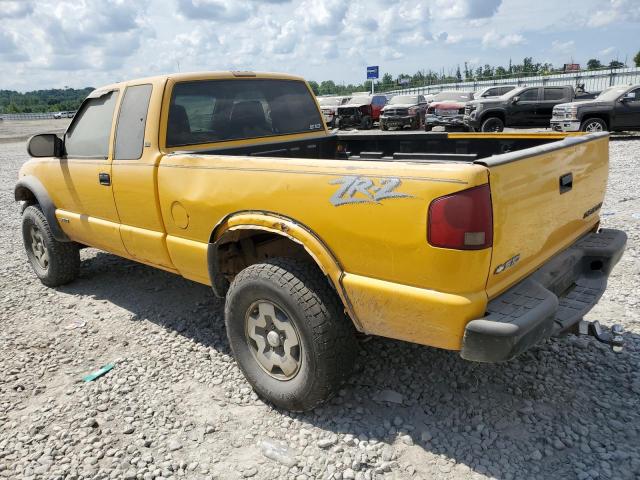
(463, 220)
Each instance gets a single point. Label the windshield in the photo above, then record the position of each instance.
(329, 101)
(359, 100)
(611, 93)
(453, 96)
(404, 99)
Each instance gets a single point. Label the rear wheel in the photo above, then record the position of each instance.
(593, 125)
(55, 263)
(289, 333)
(492, 124)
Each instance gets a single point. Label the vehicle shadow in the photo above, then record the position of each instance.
(566, 409)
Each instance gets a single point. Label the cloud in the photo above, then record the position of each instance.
(322, 16)
(493, 39)
(618, 11)
(607, 51)
(468, 9)
(215, 10)
(16, 9)
(9, 49)
(563, 47)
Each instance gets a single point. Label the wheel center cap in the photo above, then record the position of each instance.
(273, 338)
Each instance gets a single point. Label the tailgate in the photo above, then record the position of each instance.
(543, 199)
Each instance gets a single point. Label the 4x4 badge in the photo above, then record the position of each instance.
(508, 264)
(356, 189)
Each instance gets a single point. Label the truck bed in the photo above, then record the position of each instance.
(396, 146)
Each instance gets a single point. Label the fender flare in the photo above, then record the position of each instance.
(29, 187)
(285, 227)
(494, 112)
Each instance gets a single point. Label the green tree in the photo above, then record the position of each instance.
(327, 87)
(594, 64)
(314, 86)
(616, 64)
(458, 74)
(636, 59)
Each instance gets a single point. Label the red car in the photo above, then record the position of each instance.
(447, 109)
(361, 111)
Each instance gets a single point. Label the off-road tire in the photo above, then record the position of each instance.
(492, 124)
(63, 263)
(428, 128)
(594, 125)
(327, 336)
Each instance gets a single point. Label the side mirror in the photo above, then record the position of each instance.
(45, 145)
(515, 99)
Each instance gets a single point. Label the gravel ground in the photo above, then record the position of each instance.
(176, 406)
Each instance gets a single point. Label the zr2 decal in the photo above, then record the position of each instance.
(354, 189)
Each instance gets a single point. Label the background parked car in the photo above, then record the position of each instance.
(447, 109)
(361, 111)
(329, 107)
(521, 107)
(404, 111)
(616, 108)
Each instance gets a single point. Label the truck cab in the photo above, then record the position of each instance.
(521, 107)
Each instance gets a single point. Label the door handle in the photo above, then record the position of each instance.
(566, 182)
(104, 179)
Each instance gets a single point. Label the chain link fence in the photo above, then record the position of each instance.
(27, 116)
(593, 80)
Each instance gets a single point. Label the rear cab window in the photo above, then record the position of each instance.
(132, 120)
(212, 111)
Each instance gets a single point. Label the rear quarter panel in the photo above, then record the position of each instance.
(380, 244)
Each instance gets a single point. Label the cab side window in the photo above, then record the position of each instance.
(635, 92)
(88, 135)
(131, 122)
(554, 93)
(530, 95)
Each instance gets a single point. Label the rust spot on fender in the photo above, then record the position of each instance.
(282, 226)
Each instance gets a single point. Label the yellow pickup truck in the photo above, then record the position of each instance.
(484, 244)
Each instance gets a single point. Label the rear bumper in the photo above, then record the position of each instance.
(548, 302)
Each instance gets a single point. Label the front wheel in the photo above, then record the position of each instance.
(289, 333)
(55, 263)
(593, 125)
(492, 124)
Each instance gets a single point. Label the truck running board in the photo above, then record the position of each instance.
(612, 337)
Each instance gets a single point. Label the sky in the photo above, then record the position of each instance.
(79, 43)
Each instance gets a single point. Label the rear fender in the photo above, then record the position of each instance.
(283, 226)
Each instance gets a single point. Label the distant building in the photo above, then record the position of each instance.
(571, 67)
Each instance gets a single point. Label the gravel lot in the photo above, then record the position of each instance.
(176, 406)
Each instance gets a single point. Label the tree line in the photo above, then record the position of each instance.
(52, 100)
(465, 74)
